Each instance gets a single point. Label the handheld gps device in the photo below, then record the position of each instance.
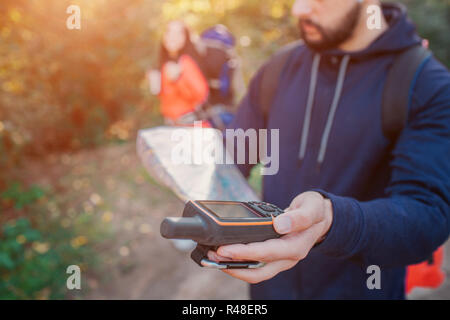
(215, 223)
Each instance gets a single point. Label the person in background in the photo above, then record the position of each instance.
(183, 86)
(218, 63)
(222, 68)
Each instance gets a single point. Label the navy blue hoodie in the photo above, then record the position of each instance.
(390, 204)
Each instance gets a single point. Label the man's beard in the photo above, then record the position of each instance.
(333, 38)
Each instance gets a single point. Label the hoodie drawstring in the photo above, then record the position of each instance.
(309, 105)
(331, 114)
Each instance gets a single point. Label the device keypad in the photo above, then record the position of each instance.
(266, 209)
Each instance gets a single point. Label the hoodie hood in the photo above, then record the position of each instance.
(400, 35)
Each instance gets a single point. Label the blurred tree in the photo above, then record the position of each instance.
(61, 88)
(432, 18)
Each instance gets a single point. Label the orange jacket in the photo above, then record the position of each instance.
(184, 94)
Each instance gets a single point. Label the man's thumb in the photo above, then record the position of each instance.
(295, 220)
(283, 223)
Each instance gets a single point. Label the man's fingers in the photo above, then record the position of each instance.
(266, 251)
(260, 274)
(303, 241)
(212, 255)
(293, 246)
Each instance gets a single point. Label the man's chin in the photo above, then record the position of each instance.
(315, 42)
(317, 45)
(321, 43)
(316, 38)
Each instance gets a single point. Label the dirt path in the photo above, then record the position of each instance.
(136, 262)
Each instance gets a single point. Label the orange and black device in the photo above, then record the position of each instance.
(215, 223)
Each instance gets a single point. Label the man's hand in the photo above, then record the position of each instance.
(303, 224)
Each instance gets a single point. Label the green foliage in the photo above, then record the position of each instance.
(36, 251)
(20, 197)
(432, 18)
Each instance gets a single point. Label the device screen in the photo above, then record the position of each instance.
(230, 210)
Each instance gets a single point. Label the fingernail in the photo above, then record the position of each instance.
(225, 253)
(283, 224)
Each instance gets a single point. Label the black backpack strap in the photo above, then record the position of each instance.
(271, 76)
(397, 88)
